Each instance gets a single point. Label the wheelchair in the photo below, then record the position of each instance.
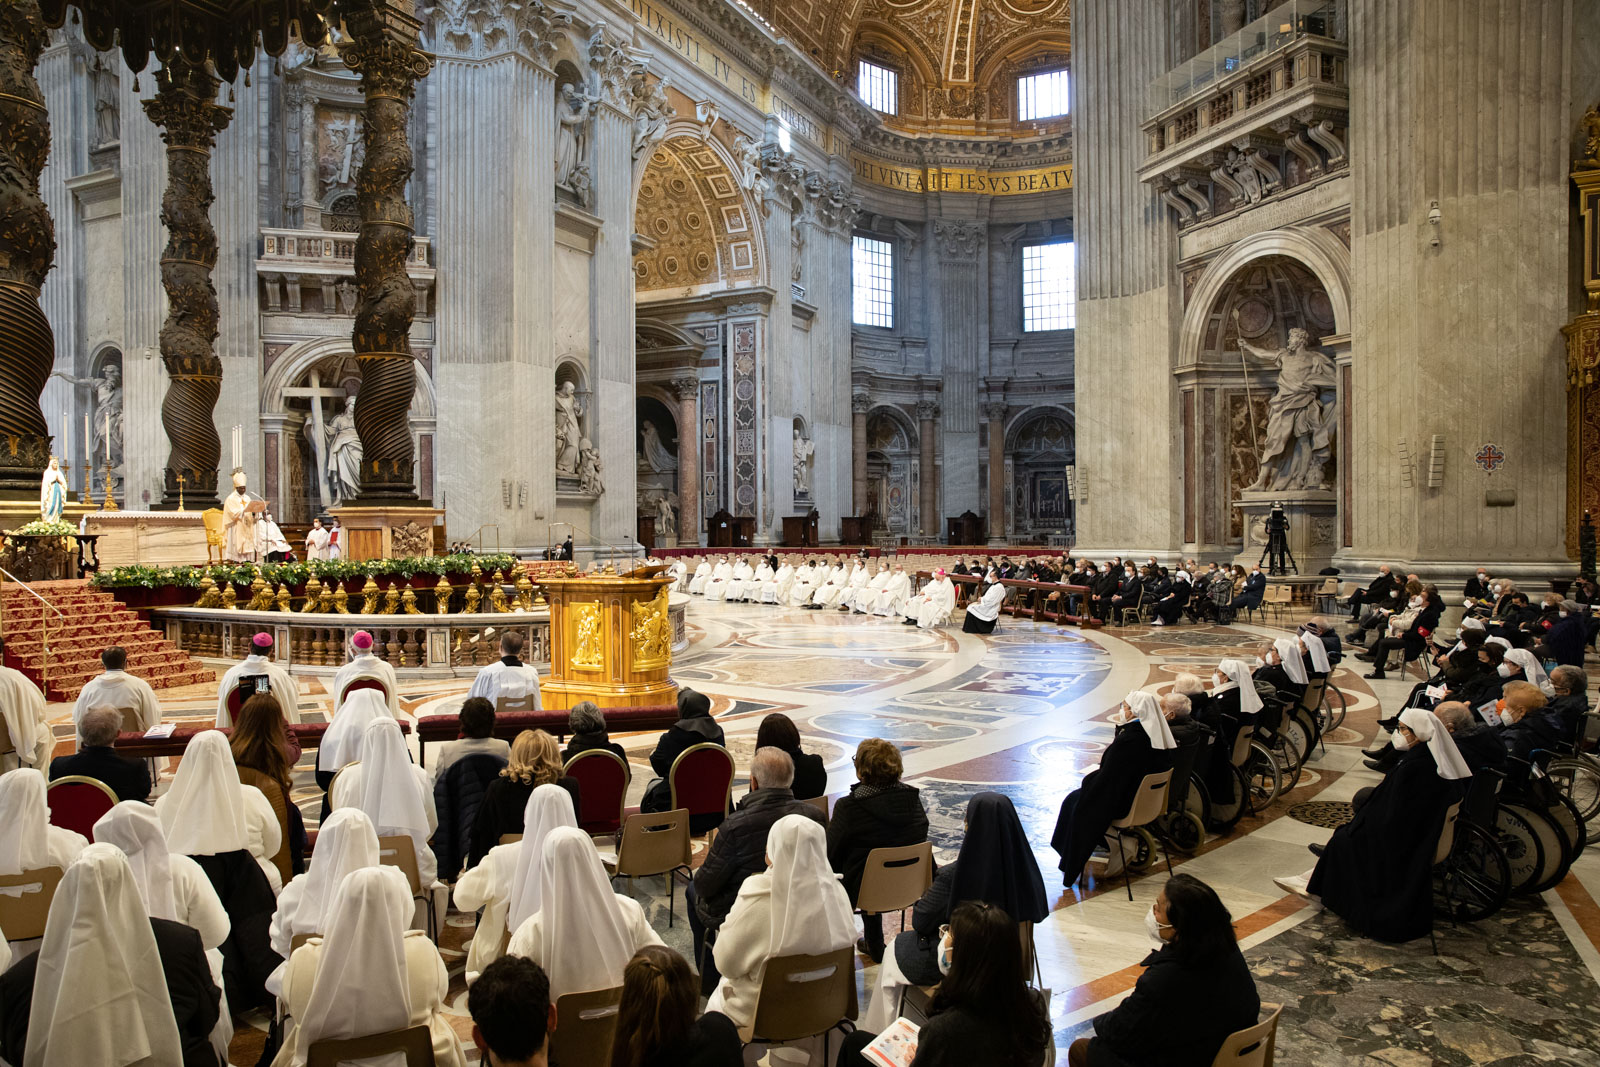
(1183, 825)
(1474, 880)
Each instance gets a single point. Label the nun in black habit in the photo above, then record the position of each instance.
(1143, 745)
(695, 726)
(1376, 872)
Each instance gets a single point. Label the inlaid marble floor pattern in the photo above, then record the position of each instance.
(1023, 711)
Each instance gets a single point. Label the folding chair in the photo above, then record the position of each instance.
(1252, 1047)
(77, 802)
(1327, 597)
(22, 917)
(1149, 803)
(821, 804)
(804, 996)
(654, 844)
(895, 879)
(398, 850)
(415, 1042)
(586, 1027)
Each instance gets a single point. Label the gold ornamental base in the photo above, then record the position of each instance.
(610, 642)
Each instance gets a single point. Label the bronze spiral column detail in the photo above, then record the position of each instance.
(27, 251)
(186, 110)
(384, 51)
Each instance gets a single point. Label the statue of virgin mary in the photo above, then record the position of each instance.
(53, 492)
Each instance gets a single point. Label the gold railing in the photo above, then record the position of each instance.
(44, 626)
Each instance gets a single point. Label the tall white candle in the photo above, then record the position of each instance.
(108, 438)
(66, 445)
(88, 440)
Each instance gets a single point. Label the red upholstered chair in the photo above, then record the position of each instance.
(76, 803)
(362, 683)
(701, 780)
(603, 779)
(236, 699)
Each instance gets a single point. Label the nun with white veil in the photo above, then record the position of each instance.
(1532, 670)
(506, 884)
(109, 986)
(27, 839)
(583, 934)
(207, 811)
(1143, 745)
(367, 974)
(393, 791)
(1312, 643)
(346, 842)
(796, 906)
(341, 742)
(172, 887)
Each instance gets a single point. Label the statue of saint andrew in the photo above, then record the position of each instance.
(344, 455)
(1300, 416)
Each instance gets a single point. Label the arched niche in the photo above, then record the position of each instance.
(893, 474)
(1040, 444)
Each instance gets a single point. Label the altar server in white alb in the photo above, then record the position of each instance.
(934, 605)
(776, 589)
(509, 678)
(721, 579)
(743, 580)
(678, 571)
(256, 673)
(982, 613)
(702, 575)
(22, 711)
(807, 577)
(364, 664)
(116, 688)
(316, 541)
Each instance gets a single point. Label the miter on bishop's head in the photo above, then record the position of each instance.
(238, 478)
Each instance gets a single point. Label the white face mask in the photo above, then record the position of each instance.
(1563, 613)
(1506, 719)
(1154, 926)
(1482, 576)
(1505, 670)
(1218, 681)
(1416, 602)
(1259, 663)
(1399, 742)
(1495, 589)
(945, 950)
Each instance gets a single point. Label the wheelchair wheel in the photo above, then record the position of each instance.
(1564, 814)
(1308, 725)
(1289, 748)
(1332, 708)
(1578, 779)
(1263, 776)
(1141, 848)
(1474, 881)
(1198, 802)
(1523, 846)
(1185, 831)
(1558, 854)
(1225, 811)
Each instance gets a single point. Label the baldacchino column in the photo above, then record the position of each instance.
(27, 249)
(384, 51)
(185, 109)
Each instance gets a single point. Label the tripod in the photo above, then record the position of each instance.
(1277, 550)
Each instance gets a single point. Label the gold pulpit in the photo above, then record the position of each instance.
(610, 641)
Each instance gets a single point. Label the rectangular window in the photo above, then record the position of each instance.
(872, 274)
(1042, 96)
(878, 87)
(1049, 287)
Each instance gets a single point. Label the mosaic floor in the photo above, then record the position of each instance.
(1023, 711)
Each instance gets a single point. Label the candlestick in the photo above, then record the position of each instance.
(181, 480)
(111, 503)
(108, 440)
(88, 481)
(66, 447)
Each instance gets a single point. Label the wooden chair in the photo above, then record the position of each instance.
(22, 917)
(895, 879)
(1252, 1047)
(415, 1042)
(77, 802)
(821, 804)
(1135, 611)
(803, 996)
(1278, 599)
(132, 721)
(1149, 804)
(1327, 597)
(701, 780)
(603, 779)
(586, 1025)
(654, 844)
(213, 520)
(398, 850)
(361, 683)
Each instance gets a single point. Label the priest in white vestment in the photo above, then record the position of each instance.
(776, 589)
(116, 688)
(892, 600)
(743, 578)
(257, 665)
(22, 708)
(721, 575)
(862, 597)
(509, 677)
(806, 577)
(702, 575)
(316, 541)
(363, 664)
(240, 542)
(838, 585)
(676, 571)
(935, 604)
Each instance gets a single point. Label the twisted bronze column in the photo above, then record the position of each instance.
(384, 51)
(186, 110)
(27, 251)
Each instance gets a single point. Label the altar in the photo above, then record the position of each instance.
(148, 538)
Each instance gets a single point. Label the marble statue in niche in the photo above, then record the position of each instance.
(569, 431)
(661, 505)
(797, 246)
(107, 111)
(344, 455)
(803, 451)
(107, 412)
(654, 455)
(572, 132)
(1301, 416)
(589, 468)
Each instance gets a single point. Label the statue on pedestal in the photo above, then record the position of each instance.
(52, 492)
(803, 451)
(344, 455)
(572, 132)
(1301, 416)
(569, 432)
(107, 412)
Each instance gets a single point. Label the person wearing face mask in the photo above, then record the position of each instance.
(1408, 631)
(1143, 745)
(1527, 728)
(1381, 592)
(1569, 708)
(1196, 988)
(1513, 623)
(1564, 636)
(1376, 871)
(1249, 596)
(1479, 688)
(1380, 615)
(1279, 665)
(1477, 591)
(1478, 744)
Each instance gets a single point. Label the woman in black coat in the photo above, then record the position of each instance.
(1170, 604)
(810, 776)
(1376, 872)
(588, 726)
(1143, 745)
(880, 811)
(695, 726)
(535, 761)
(1196, 989)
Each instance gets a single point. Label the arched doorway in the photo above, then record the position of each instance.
(892, 474)
(1041, 447)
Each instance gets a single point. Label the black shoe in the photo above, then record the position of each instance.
(1376, 765)
(1375, 674)
(1317, 850)
(1376, 753)
(866, 950)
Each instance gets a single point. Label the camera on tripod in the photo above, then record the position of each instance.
(1277, 557)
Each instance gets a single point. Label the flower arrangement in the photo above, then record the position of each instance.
(297, 574)
(40, 528)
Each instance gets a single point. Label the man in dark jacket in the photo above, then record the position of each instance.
(1529, 728)
(1566, 636)
(740, 850)
(128, 778)
(1255, 588)
(1382, 592)
(880, 811)
(1570, 707)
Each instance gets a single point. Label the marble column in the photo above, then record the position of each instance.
(186, 110)
(687, 390)
(959, 264)
(994, 414)
(242, 198)
(860, 404)
(27, 248)
(144, 181)
(927, 433)
(383, 50)
(65, 78)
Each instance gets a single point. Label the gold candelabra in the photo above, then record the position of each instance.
(88, 483)
(111, 502)
(181, 480)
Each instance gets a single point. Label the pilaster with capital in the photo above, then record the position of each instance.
(994, 414)
(927, 438)
(184, 107)
(860, 404)
(384, 50)
(687, 390)
(957, 334)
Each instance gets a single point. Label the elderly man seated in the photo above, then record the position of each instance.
(95, 758)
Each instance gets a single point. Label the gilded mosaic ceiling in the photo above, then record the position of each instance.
(693, 214)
